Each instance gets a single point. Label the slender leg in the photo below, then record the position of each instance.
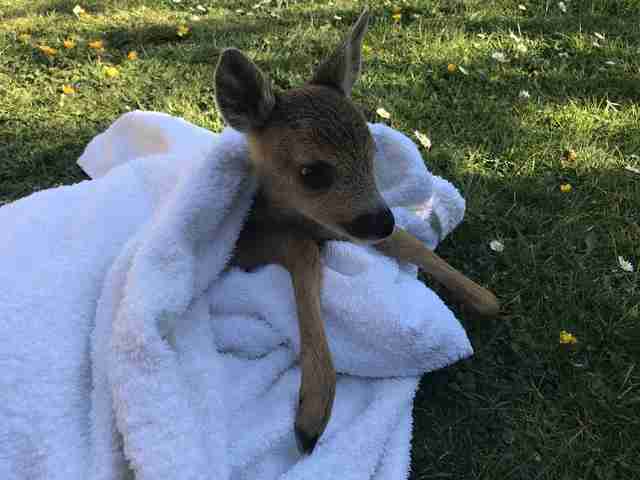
(301, 256)
(405, 247)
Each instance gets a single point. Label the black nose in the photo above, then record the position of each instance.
(372, 226)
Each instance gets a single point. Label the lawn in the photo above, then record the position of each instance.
(533, 109)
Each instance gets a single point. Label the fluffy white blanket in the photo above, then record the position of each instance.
(130, 350)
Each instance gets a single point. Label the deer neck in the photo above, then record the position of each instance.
(266, 214)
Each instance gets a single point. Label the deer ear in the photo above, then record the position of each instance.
(342, 68)
(243, 92)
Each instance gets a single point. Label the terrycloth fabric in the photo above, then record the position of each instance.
(130, 350)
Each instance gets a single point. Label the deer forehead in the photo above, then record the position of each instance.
(314, 124)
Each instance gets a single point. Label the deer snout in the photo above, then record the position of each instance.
(374, 226)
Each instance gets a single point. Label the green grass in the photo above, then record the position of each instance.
(524, 407)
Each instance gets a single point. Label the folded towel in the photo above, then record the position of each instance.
(132, 350)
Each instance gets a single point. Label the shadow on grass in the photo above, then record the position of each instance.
(524, 406)
(48, 164)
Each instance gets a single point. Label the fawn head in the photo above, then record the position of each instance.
(310, 147)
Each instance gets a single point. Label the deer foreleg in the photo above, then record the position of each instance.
(301, 256)
(405, 247)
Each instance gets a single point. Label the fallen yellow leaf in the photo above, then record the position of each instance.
(48, 51)
(567, 338)
(69, 44)
(97, 45)
(111, 72)
(68, 90)
(383, 113)
(570, 155)
(132, 55)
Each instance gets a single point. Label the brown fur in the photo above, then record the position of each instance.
(326, 127)
(288, 133)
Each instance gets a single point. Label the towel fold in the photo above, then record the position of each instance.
(132, 350)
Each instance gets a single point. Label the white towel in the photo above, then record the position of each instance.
(130, 350)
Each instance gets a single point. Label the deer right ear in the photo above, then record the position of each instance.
(342, 68)
(243, 92)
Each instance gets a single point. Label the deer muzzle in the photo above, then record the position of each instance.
(372, 227)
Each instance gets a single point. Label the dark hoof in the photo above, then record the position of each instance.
(306, 443)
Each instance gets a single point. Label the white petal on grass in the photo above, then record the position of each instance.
(610, 62)
(522, 7)
(611, 106)
(499, 56)
(337, 17)
(463, 70)
(383, 113)
(496, 246)
(625, 264)
(598, 35)
(521, 48)
(562, 6)
(631, 169)
(423, 139)
(524, 94)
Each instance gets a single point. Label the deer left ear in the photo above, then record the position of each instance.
(342, 68)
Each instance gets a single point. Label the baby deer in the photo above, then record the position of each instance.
(312, 153)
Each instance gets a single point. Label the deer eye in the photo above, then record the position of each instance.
(317, 176)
